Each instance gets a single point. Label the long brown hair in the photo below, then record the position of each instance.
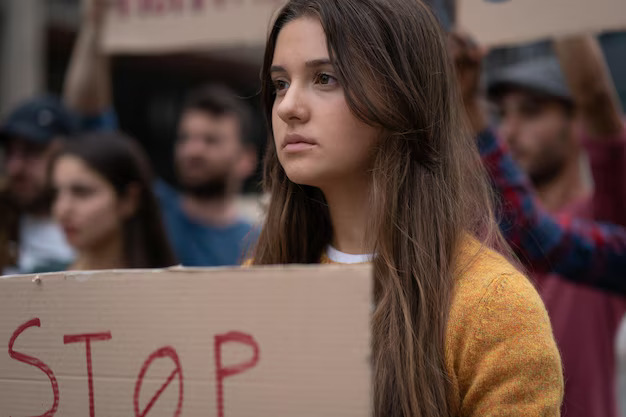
(429, 190)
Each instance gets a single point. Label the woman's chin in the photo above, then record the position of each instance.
(301, 178)
(78, 244)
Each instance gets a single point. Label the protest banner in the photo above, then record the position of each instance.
(291, 341)
(159, 26)
(163, 26)
(504, 22)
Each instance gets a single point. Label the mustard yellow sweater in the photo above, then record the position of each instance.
(500, 351)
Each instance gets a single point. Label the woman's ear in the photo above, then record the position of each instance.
(130, 201)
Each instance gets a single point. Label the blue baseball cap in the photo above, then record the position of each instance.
(39, 120)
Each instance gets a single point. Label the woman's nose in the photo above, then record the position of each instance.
(293, 105)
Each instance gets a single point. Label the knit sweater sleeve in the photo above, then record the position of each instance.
(510, 363)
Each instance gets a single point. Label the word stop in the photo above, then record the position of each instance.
(165, 353)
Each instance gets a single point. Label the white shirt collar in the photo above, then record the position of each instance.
(346, 258)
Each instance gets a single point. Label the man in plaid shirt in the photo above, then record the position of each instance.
(582, 251)
(541, 116)
(579, 250)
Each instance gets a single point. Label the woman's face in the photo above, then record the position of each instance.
(318, 139)
(86, 205)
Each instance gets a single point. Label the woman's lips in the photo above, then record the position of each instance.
(297, 143)
(70, 230)
(298, 147)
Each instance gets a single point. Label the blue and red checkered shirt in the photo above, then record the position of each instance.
(579, 250)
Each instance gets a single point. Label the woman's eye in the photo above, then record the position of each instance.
(280, 86)
(325, 79)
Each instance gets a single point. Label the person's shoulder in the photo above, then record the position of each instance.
(241, 230)
(166, 194)
(487, 283)
(477, 266)
(243, 223)
(499, 330)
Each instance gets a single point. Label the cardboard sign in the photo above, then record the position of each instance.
(264, 342)
(159, 26)
(151, 26)
(501, 22)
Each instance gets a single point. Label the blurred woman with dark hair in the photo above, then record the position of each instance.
(105, 204)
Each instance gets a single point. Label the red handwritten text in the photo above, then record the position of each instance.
(224, 372)
(165, 352)
(87, 338)
(36, 363)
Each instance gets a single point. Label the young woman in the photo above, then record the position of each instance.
(370, 161)
(104, 202)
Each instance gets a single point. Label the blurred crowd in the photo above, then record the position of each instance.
(78, 194)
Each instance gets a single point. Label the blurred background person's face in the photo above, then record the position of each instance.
(539, 132)
(26, 165)
(86, 205)
(208, 152)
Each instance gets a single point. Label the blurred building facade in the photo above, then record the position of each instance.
(22, 50)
